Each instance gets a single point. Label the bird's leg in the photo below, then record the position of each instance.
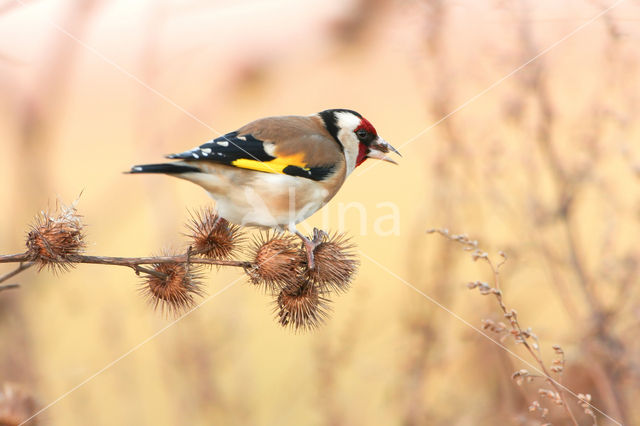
(310, 245)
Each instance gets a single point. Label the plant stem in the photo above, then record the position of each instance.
(513, 320)
(129, 261)
(22, 267)
(8, 286)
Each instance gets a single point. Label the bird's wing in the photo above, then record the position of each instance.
(297, 146)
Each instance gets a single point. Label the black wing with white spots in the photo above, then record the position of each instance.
(227, 149)
(248, 152)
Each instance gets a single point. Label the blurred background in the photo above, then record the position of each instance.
(542, 163)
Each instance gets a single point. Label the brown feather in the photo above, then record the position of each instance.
(292, 135)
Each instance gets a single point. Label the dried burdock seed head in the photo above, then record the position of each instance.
(16, 405)
(172, 287)
(300, 307)
(55, 238)
(212, 236)
(335, 264)
(277, 260)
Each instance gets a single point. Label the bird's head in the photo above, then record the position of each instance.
(357, 137)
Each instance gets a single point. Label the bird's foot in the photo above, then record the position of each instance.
(311, 244)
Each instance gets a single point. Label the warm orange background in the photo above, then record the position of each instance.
(143, 79)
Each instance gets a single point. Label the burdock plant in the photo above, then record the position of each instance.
(277, 263)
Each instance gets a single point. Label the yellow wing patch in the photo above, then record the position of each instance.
(277, 165)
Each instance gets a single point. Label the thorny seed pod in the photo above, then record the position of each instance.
(212, 236)
(172, 287)
(335, 264)
(16, 406)
(301, 307)
(277, 260)
(54, 239)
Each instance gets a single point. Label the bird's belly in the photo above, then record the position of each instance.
(270, 200)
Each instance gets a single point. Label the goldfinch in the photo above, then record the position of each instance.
(277, 171)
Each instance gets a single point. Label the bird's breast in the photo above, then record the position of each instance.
(266, 199)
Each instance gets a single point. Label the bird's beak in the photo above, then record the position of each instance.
(379, 148)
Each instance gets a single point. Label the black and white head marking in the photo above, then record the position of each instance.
(341, 124)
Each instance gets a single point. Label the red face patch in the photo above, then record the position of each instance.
(366, 125)
(362, 147)
(362, 154)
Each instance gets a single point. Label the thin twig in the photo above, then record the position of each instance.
(520, 335)
(22, 267)
(8, 286)
(522, 338)
(138, 269)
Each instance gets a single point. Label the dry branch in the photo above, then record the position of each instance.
(171, 282)
(525, 337)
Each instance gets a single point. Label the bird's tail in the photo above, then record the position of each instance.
(166, 168)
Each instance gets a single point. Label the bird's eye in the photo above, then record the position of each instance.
(361, 133)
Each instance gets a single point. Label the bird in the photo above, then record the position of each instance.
(275, 172)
